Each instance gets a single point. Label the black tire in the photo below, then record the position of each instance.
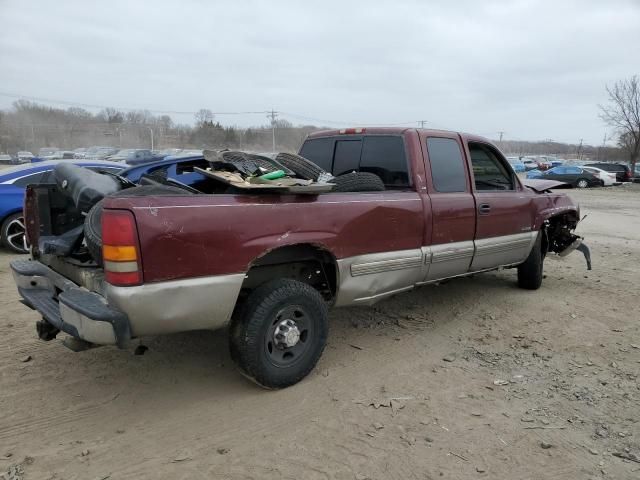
(300, 166)
(93, 232)
(530, 272)
(12, 233)
(92, 223)
(253, 333)
(358, 182)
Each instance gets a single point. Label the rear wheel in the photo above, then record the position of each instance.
(582, 183)
(530, 272)
(13, 234)
(280, 333)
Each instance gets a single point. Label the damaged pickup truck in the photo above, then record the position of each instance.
(236, 241)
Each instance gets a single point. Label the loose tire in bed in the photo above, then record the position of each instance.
(92, 223)
(358, 182)
(300, 166)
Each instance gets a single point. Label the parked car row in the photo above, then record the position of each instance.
(590, 175)
(131, 156)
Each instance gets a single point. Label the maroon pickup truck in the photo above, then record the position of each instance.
(270, 265)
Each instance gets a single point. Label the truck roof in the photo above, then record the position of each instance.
(391, 131)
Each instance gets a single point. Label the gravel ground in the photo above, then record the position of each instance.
(473, 378)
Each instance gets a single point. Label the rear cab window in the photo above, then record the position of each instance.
(382, 155)
(319, 151)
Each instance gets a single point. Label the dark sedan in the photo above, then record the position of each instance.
(575, 176)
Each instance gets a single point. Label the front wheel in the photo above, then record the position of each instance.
(280, 333)
(582, 183)
(530, 272)
(13, 234)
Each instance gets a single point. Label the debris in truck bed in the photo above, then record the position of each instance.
(283, 185)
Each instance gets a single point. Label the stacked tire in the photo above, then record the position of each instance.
(348, 182)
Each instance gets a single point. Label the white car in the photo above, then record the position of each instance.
(608, 178)
(24, 157)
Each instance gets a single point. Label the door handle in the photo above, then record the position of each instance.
(484, 209)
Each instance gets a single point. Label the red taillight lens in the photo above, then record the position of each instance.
(120, 248)
(627, 174)
(118, 228)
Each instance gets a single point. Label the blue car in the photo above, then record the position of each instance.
(175, 168)
(516, 164)
(535, 173)
(13, 182)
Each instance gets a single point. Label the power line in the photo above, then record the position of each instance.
(91, 105)
(269, 113)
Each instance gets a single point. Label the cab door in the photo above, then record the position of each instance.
(450, 246)
(504, 219)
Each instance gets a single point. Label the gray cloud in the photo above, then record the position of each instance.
(534, 69)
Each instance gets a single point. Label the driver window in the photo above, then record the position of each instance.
(489, 172)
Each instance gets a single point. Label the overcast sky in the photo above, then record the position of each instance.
(533, 69)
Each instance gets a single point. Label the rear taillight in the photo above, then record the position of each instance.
(351, 131)
(120, 253)
(627, 174)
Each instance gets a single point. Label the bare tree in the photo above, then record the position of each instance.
(203, 116)
(623, 113)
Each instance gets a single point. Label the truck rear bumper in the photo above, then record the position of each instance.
(69, 308)
(120, 313)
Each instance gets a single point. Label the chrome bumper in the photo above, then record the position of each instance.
(69, 308)
(118, 313)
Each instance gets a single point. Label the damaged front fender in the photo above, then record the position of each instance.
(581, 247)
(561, 239)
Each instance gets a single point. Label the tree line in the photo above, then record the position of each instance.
(30, 126)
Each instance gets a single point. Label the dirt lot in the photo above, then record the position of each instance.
(470, 379)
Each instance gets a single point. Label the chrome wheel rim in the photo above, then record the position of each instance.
(15, 235)
(582, 184)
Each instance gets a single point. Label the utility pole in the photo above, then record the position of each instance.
(422, 122)
(273, 116)
(580, 150)
(151, 132)
(604, 141)
(501, 134)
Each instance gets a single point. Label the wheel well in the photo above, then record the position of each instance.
(306, 263)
